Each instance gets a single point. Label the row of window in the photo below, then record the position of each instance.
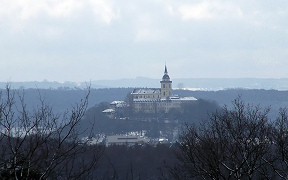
(142, 105)
(147, 96)
(164, 93)
(163, 86)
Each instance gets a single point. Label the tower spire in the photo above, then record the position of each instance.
(165, 72)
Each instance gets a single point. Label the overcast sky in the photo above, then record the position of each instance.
(84, 40)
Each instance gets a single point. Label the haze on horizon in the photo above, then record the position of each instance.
(71, 40)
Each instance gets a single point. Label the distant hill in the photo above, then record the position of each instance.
(264, 98)
(62, 99)
(210, 84)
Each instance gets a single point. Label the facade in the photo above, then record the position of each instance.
(155, 100)
(128, 140)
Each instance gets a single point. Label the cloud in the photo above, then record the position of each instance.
(19, 13)
(30, 9)
(105, 10)
(69, 34)
(209, 10)
(146, 34)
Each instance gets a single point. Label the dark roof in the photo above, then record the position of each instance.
(166, 76)
(146, 91)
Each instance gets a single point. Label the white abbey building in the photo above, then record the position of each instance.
(154, 100)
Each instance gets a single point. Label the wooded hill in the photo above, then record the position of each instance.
(99, 99)
(63, 98)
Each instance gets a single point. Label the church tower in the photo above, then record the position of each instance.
(166, 85)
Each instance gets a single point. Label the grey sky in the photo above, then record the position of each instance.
(83, 40)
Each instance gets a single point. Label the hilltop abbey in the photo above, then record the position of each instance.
(151, 100)
(154, 100)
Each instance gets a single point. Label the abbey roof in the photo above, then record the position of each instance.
(146, 91)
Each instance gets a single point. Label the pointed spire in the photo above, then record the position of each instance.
(165, 76)
(165, 72)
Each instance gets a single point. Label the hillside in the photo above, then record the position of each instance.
(62, 98)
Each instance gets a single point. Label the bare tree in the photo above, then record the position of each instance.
(280, 142)
(40, 144)
(234, 144)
